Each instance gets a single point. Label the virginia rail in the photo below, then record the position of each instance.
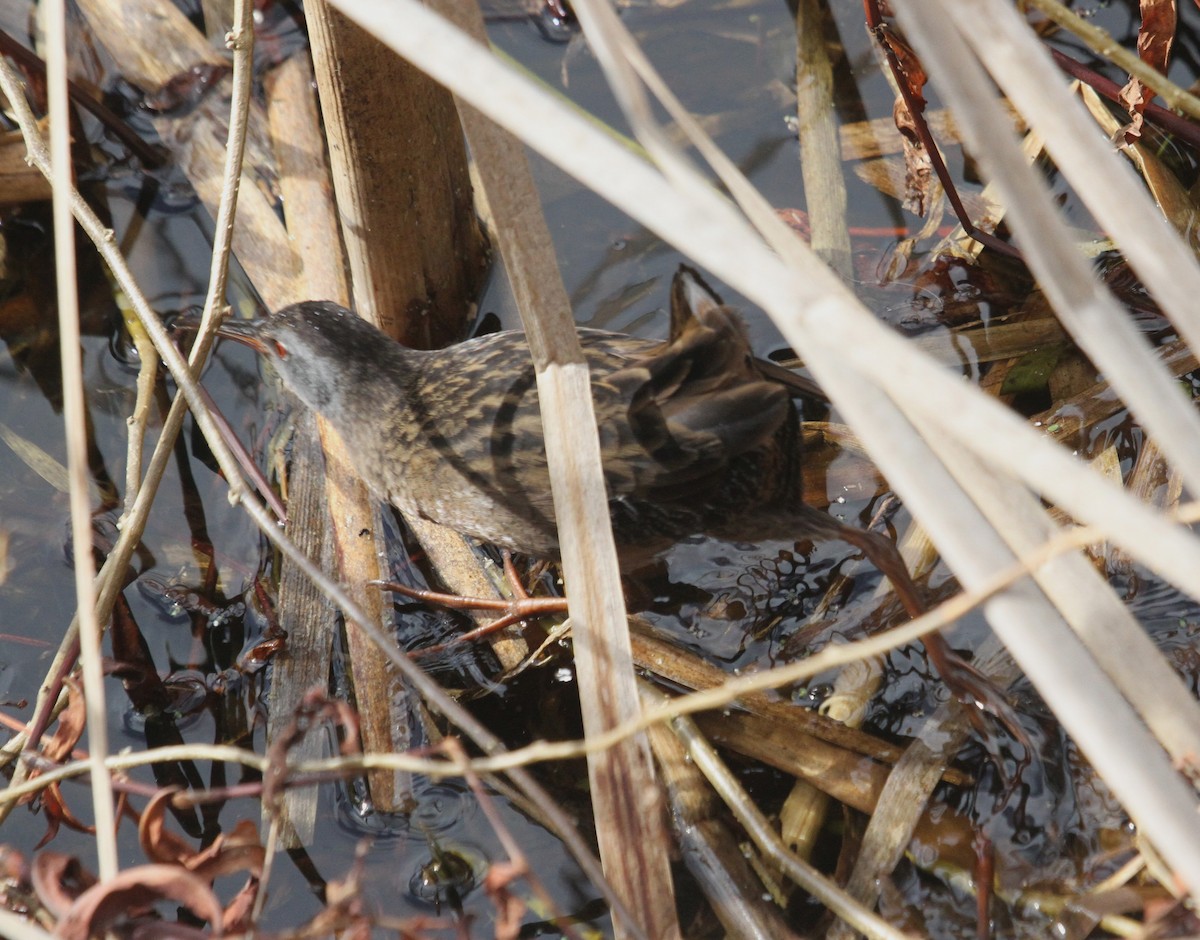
(696, 436)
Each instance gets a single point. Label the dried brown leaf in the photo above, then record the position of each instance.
(918, 167)
(159, 844)
(238, 910)
(59, 880)
(58, 814)
(509, 907)
(103, 905)
(1155, 38)
(239, 850)
(71, 723)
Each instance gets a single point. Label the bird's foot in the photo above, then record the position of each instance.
(975, 690)
(965, 682)
(512, 610)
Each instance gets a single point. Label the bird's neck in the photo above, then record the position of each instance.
(375, 388)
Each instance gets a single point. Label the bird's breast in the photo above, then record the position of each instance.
(474, 464)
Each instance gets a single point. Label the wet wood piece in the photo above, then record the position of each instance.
(1027, 367)
(344, 507)
(709, 847)
(158, 41)
(761, 832)
(994, 342)
(858, 787)
(305, 616)
(683, 669)
(901, 804)
(19, 182)
(848, 777)
(416, 252)
(820, 165)
(1071, 422)
(802, 816)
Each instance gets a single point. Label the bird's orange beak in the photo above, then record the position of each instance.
(246, 332)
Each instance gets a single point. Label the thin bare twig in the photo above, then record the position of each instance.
(74, 408)
(241, 40)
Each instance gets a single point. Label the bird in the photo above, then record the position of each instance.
(695, 437)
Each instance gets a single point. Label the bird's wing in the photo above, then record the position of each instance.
(689, 406)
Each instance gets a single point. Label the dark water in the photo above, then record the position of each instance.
(741, 606)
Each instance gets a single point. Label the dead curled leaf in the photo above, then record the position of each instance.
(918, 168)
(58, 880)
(159, 844)
(58, 814)
(1155, 38)
(57, 748)
(238, 850)
(239, 910)
(104, 905)
(71, 724)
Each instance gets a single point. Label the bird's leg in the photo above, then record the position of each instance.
(964, 681)
(513, 610)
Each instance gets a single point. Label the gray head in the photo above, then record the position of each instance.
(319, 349)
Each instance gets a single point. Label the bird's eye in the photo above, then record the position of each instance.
(280, 350)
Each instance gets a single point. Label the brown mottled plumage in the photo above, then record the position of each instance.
(693, 438)
(696, 436)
